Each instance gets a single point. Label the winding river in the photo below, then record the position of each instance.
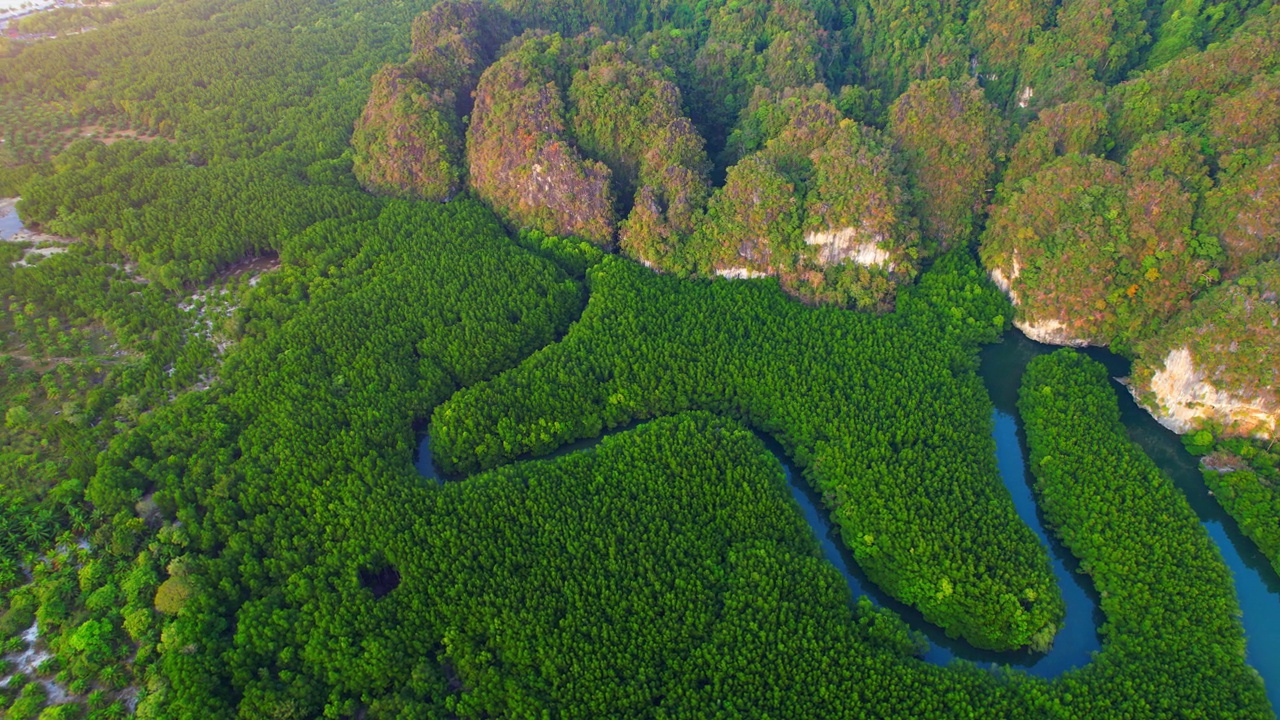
(1002, 366)
(1257, 585)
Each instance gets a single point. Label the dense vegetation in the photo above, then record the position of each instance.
(360, 395)
(211, 383)
(1233, 332)
(670, 556)
(1117, 211)
(1153, 563)
(586, 135)
(181, 222)
(862, 403)
(818, 200)
(1243, 476)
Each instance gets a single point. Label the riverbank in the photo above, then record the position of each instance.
(1002, 367)
(1257, 584)
(42, 245)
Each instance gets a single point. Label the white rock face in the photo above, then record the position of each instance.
(1050, 332)
(1184, 397)
(1005, 283)
(850, 243)
(739, 273)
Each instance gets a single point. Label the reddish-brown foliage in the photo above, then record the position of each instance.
(408, 141)
(950, 137)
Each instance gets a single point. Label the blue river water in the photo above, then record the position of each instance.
(1257, 585)
(10, 223)
(1002, 367)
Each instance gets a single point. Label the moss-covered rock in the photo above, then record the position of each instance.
(454, 42)
(408, 141)
(520, 150)
(950, 137)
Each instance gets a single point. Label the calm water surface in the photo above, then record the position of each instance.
(9, 224)
(1257, 584)
(1002, 367)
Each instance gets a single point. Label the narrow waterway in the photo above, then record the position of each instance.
(1257, 584)
(1001, 370)
(1075, 642)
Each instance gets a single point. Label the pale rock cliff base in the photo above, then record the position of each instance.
(1181, 398)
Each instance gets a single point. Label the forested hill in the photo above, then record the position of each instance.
(1113, 164)
(266, 245)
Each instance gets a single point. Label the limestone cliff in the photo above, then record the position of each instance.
(1093, 252)
(455, 41)
(1181, 396)
(1216, 364)
(570, 135)
(408, 141)
(522, 158)
(630, 117)
(822, 206)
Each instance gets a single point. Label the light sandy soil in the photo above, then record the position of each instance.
(43, 244)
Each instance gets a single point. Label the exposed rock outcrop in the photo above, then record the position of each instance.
(822, 206)
(739, 273)
(1181, 397)
(1051, 332)
(1005, 282)
(1216, 364)
(857, 208)
(409, 140)
(860, 245)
